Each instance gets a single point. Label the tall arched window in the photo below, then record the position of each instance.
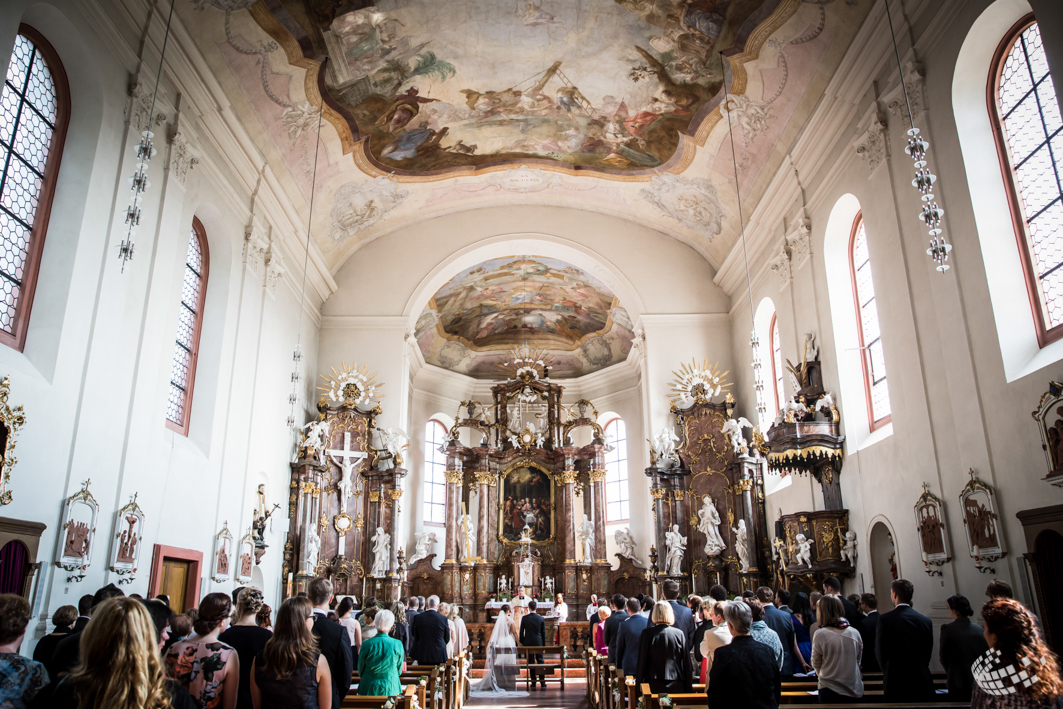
(867, 326)
(776, 361)
(1029, 133)
(189, 326)
(435, 465)
(34, 109)
(616, 484)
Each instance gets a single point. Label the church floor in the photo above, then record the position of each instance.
(574, 697)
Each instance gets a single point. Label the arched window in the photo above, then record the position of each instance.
(776, 361)
(34, 108)
(616, 485)
(867, 326)
(435, 465)
(189, 326)
(1029, 134)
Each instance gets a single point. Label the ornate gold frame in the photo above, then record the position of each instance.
(12, 420)
(526, 463)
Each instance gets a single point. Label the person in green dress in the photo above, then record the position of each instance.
(380, 660)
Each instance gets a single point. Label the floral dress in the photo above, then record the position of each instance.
(200, 668)
(20, 680)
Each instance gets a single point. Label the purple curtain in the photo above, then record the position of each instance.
(12, 567)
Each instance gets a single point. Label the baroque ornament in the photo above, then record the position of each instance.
(696, 383)
(352, 387)
(11, 420)
(358, 206)
(693, 202)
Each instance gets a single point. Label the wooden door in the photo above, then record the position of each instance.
(175, 582)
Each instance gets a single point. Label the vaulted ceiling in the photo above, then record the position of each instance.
(613, 106)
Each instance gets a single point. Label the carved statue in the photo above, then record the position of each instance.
(585, 532)
(503, 585)
(245, 564)
(742, 545)
(77, 539)
(733, 430)
(313, 549)
(128, 544)
(1055, 440)
(526, 567)
(930, 530)
(381, 553)
(710, 527)
(392, 441)
(849, 548)
(804, 551)
(625, 543)
(466, 537)
(981, 523)
(677, 546)
(423, 546)
(223, 562)
(664, 446)
(315, 440)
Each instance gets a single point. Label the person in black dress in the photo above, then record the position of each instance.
(247, 639)
(962, 642)
(63, 618)
(745, 672)
(289, 672)
(664, 662)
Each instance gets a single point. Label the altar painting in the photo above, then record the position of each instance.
(527, 499)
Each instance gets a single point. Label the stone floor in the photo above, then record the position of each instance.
(574, 697)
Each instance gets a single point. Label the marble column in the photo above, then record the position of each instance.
(453, 511)
(483, 483)
(598, 513)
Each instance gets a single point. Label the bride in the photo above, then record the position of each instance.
(501, 668)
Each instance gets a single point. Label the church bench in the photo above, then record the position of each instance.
(406, 700)
(699, 700)
(590, 661)
(423, 683)
(546, 666)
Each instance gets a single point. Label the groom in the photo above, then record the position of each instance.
(533, 634)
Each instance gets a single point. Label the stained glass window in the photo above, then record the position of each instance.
(1032, 130)
(435, 482)
(189, 323)
(870, 336)
(616, 484)
(776, 362)
(32, 122)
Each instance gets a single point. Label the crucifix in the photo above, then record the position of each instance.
(347, 460)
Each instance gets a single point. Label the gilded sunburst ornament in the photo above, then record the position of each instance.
(697, 383)
(352, 387)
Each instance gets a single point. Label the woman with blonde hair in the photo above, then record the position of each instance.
(120, 666)
(458, 630)
(247, 639)
(600, 645)
(664, 662)
(290, 672)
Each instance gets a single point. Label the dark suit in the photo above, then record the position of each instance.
(627, 643)
(81, 622)
(335, 645)
(664, 662)
(744, 674)
(66, 656)
(429, 635)
(868, 631)
(533, 634)
(904, 645)
(852, 613)
(962, 643)
(612, 625)
(411, 614)
(684, 620)
(783, 625)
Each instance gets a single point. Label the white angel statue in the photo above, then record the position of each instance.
(710, 527)
(315, 439)
(792, 409)
(585, 532)
(423, 546)
(466, 537)
(733, 430)
(313, 549)
(804, 550)
(849, 547)
(625, 543)
(664, 445)
(742, 545)
(677, 546)
(381, 553)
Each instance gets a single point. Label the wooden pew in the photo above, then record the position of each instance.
(424, 680)
(406, 700)
(871, 699)
(546, 667)
(590, 661)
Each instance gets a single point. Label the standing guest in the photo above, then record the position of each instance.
(208, 668)
(647, 607)
(598, 634)
(962, 642)
(121, 667)
(533, 634)
(161, 615)
(869, 631)
(782, 601)
(718, 636)
(627, 639)
(803, 616)
(760, 631)
(66, 653)
(429, 635)
(366, 621)
(20, 678)
(612, 623)
(410, 605)
(748, 594)
(354, 628)
(401, 629)
(85, 604)
(462, 640)
(664, 662)
(560, 609)
(602, 603)
(694, 603)
(382, 657)
(836, 652)
(63, 619)
(163, 597)
(704, 625)
(180, 629)
(592, 607)
(289, 672)
(783, 625)
(263, 617)
(684, 619)
(1012, 634)
(332, 640)
(833, 587)
(813, 600)
(247, 639)
(444, 610)
(333, 616)
(718, 593)
(904, 645)
(744, 673)
(422, 604)
(999, 589)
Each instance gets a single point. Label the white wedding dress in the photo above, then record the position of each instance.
(501, 668)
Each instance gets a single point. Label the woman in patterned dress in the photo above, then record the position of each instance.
(208, 668)
(1018, 671)
(20, 678)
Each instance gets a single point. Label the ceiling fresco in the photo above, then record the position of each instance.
(499, 304)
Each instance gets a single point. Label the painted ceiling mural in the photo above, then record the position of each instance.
(609, 105)
(498, 304)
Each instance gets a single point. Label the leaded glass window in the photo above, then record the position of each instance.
(189, 324)
(870, 336)
(435, 482)
(616, 479)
